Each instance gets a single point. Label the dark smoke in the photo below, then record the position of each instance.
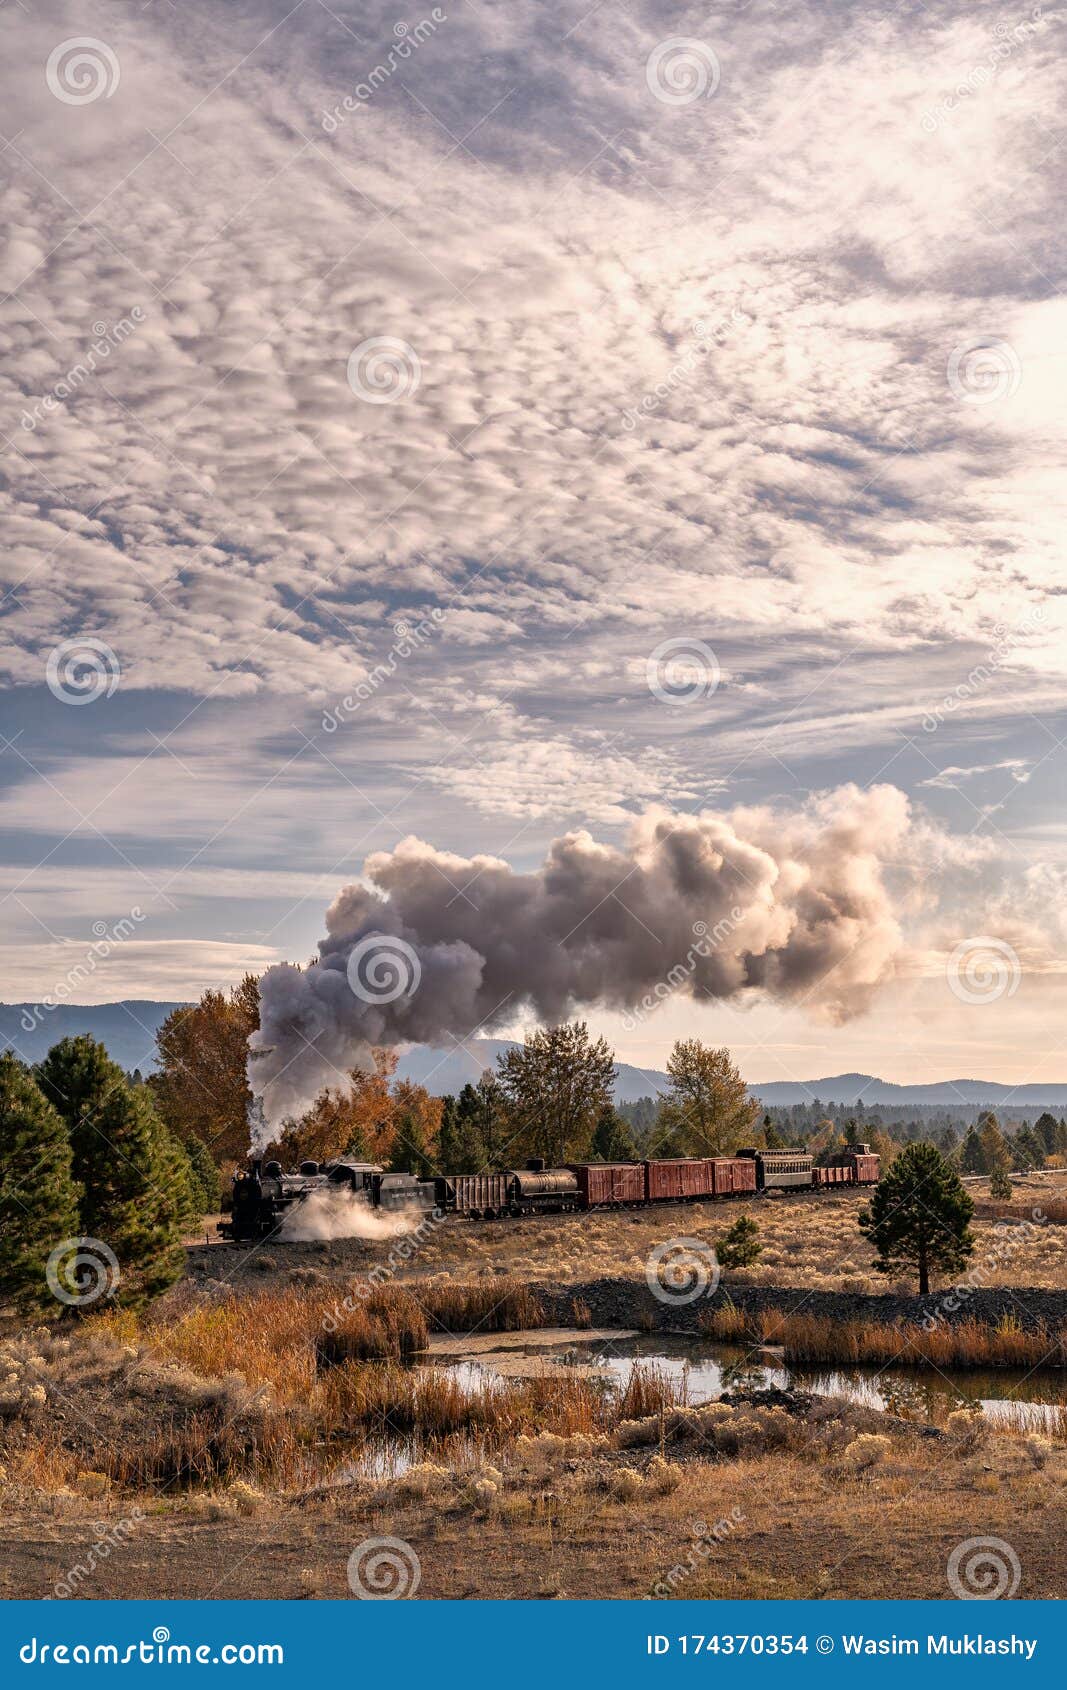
(715, 905)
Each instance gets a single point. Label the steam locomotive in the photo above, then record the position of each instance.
(264, 1194)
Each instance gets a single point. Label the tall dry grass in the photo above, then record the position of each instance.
(818, 1340)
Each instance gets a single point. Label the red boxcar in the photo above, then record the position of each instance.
(839, 1173)
(683, 1177)
(604, 1184)
(733, 1174)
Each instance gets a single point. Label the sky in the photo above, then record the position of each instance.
(496, 422)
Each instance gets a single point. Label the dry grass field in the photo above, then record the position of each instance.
(808, 1241)
(249, 1432)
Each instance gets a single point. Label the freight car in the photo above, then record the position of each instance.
(264, 1195)
(532, 1190)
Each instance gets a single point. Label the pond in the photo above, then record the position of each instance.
(707, 1369)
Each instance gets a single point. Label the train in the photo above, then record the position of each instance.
(264, 1194)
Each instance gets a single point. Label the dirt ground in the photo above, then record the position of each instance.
(791, 1531)
(840, 1507)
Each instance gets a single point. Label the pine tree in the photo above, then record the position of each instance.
(739, 1245)
(120, 1159)
(918, 1219)
(611, 1138)
(463, 1149)
(38, 1196)
(206, 1174)
(772, 1138)
(1046, 1129)
(972, 1160)
(996, 1157)
(411, 1151)
(1027, 1150)
(1000, 1185)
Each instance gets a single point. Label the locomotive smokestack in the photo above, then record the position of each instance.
(710, 906)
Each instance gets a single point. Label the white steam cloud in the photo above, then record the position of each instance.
(437, 945)
(334, 1212)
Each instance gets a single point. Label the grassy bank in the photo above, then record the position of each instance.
(817, 1340)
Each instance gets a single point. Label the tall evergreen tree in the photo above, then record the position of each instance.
(1027, 1150)
(120, 1159)
(996, 1157)
(972, 1159)
(206, 1174)
(772, 1138)
(38, 1196)
(611, 1138)
(1046, 1129)
(411, 1150)
(919, 1217)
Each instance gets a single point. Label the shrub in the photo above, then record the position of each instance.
(739, 1245)
(866, 1451)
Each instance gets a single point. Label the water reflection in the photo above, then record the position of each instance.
(706, 1370)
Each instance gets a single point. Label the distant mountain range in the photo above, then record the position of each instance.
(128, 1030)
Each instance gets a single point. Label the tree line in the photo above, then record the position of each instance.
(85, 1155)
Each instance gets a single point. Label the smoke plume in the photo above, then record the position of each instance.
(334, 1212)
(713, 906)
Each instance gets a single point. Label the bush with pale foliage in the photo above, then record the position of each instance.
(868, 1450)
